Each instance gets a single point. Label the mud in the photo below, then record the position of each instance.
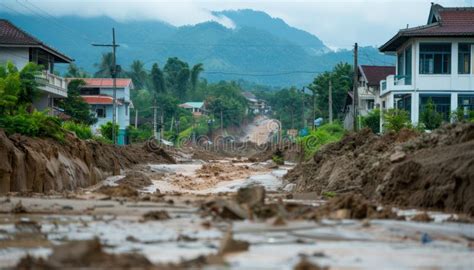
(432, 170)
(41, 164)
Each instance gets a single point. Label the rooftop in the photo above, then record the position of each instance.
(375, 74)
(198, 105)
(99, 100)
(13, 36)
(442, 22)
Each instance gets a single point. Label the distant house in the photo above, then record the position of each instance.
(255, 105)
(98, 92)
(196, 108)
(434, 61)
(20, 47)
(369, 86)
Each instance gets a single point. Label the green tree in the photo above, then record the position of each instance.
(75, 106)
(430, 117)
(10, 84)
(177, 76)
(195, 71)
(372, 120)
(105, 66)
(138, 74)
(341, 78)
(29, 84)
(74, 71)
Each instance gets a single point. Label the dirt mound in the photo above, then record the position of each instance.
(118, 191)
(431, 170)
(135, 179)
(43, 164)
(84, 254)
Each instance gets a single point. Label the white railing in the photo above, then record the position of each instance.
(52, 83)
(393, 82)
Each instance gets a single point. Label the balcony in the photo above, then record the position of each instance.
(53, 84)
(394, 83)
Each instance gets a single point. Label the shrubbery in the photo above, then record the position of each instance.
(372, 120)
(396, 119)
(106, 130)
(82, 131)
(37, 124)
(325, 134)
(430, 118)
(139, 134)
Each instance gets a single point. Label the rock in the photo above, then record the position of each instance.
(290, 187)
(304, 264)
(397, 156)
(156, 215)
(251, 196)
(422, 217)
(19, 209)
(340, 214)
(230, 245)
(118, 191)
(225, 209)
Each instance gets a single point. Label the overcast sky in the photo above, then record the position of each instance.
(337, 23)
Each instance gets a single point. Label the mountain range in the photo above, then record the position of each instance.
(259, 48)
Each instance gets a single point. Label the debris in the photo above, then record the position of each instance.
(426, 238)
(28, 226)
(251, 196)
(19, 209)
(422, 217)
(230, 245)
(156, 215)
(304, 264)
(397, 156)
(119, 191)
(135, 180)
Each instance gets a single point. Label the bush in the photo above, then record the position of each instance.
(136, 135)
(106, 130)
(325, 134)
(430, 117)
(82, 131)
(37, 124)
(396, 119)
(372, 120)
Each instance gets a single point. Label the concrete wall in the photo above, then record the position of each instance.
(19, 56)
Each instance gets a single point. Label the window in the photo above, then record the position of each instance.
(126, 109)
(401, 64)
(435, 58)
(370, 104)
(464, 58)
(408, 65)
(100, 112)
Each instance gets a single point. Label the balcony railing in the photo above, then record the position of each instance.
(52, 83)
(395, 82)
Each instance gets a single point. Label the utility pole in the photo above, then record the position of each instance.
(302, 106)
(222, 122)
(114, 82)
(155, 126)
(136, 118)
(355, 94)
(314, 108)
(330, 101)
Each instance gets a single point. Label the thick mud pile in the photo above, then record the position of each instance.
(431, 170)
(41, 165)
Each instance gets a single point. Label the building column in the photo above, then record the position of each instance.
(415, 108)
(454, 103)
(389, 102)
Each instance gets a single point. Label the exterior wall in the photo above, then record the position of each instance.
(19, 56)
(452, 85)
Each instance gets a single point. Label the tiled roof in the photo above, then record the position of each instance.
(107, 82)
(374, 74)
(449, 22)
(13, 36)
(99, 100)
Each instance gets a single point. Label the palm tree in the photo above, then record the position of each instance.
(195, 71)
(105, 66)
(138, 74)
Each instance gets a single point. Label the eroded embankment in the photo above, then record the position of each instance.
(431, 170)
(42, 164)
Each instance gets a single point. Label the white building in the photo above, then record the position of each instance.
(433, 61)
(19, 47)
(369, 86)
(196, 108)
(98, 92)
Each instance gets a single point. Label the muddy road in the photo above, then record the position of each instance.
(216, 214)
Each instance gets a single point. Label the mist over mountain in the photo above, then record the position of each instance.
(259, 49)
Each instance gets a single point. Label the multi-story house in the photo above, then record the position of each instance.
(434, 61)
(369, 86)
(98, 92)
(20, 48)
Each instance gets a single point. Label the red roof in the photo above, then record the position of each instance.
(99, 100)
(442, 22)
(107, 82)
(13, 36)
(374, 74)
